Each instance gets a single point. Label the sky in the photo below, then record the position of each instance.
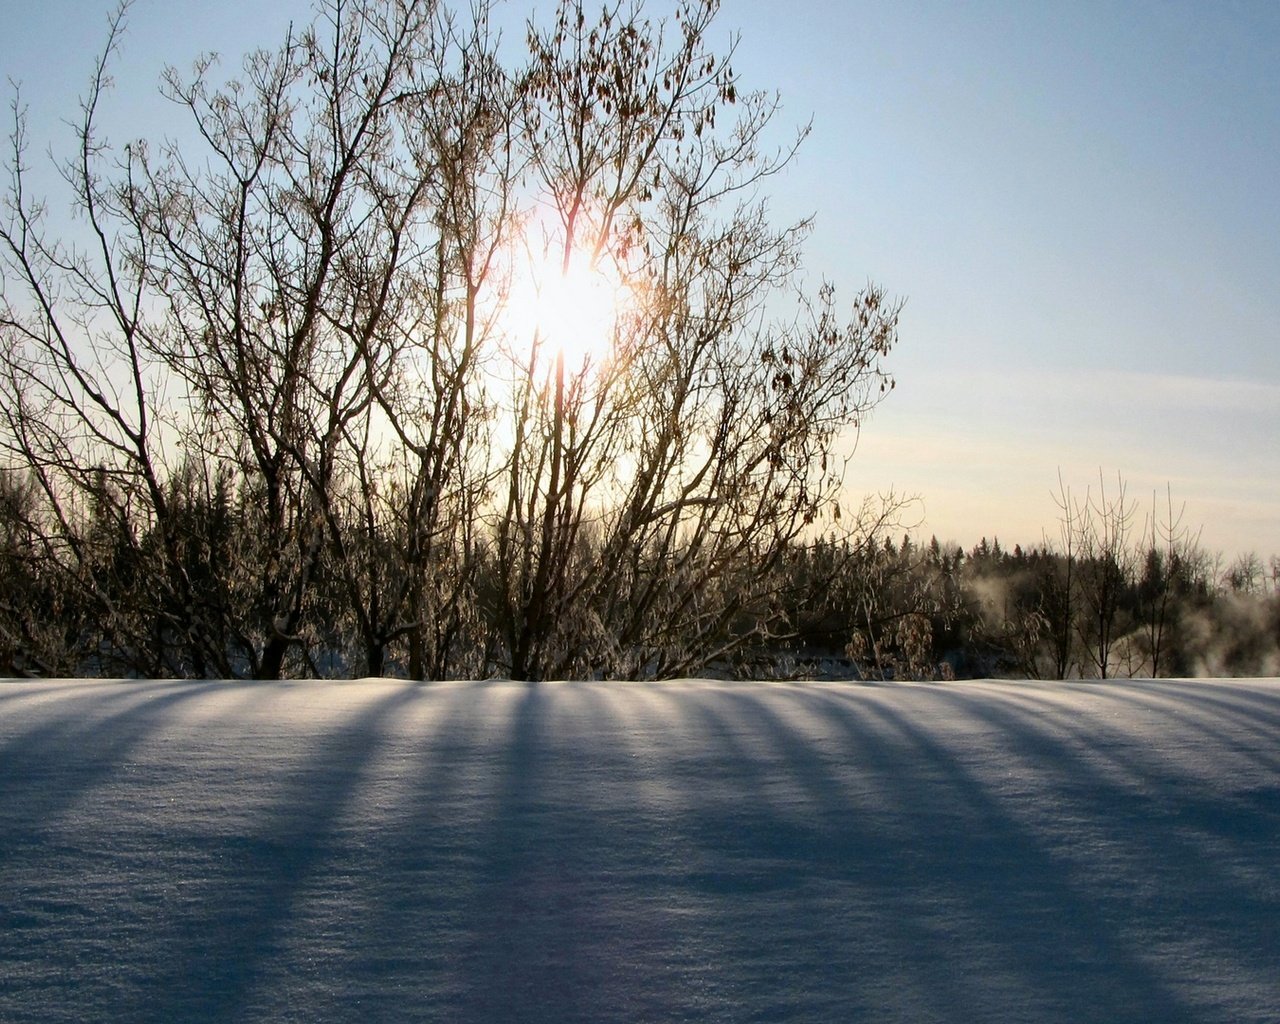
(1078, 203)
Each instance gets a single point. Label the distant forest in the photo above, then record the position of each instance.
(941, 612)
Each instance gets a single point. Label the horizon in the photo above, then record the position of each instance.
(1076, 203)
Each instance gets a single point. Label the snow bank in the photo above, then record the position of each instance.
(602, 852)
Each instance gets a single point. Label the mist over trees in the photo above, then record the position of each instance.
(1118, 590)
(276, 410)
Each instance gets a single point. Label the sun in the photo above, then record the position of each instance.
(569, 308)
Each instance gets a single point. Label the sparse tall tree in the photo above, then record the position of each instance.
(653, 490)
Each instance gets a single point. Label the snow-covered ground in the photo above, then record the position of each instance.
(595, 852)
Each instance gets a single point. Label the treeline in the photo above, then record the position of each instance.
(864, 606)
(1102, 599)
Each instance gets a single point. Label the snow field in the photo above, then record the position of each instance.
(687, 851)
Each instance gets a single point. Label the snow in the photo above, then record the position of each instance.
(595, 852)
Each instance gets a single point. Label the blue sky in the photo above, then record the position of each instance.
(1080, 203)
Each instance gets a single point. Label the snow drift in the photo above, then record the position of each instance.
(381, 850)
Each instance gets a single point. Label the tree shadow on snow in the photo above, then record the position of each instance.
(613, 852)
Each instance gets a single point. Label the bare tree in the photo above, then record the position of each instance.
(1105, 572)
(1245, 574)
(287, 256)
(653, 490)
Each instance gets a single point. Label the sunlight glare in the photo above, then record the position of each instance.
(574, 311)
